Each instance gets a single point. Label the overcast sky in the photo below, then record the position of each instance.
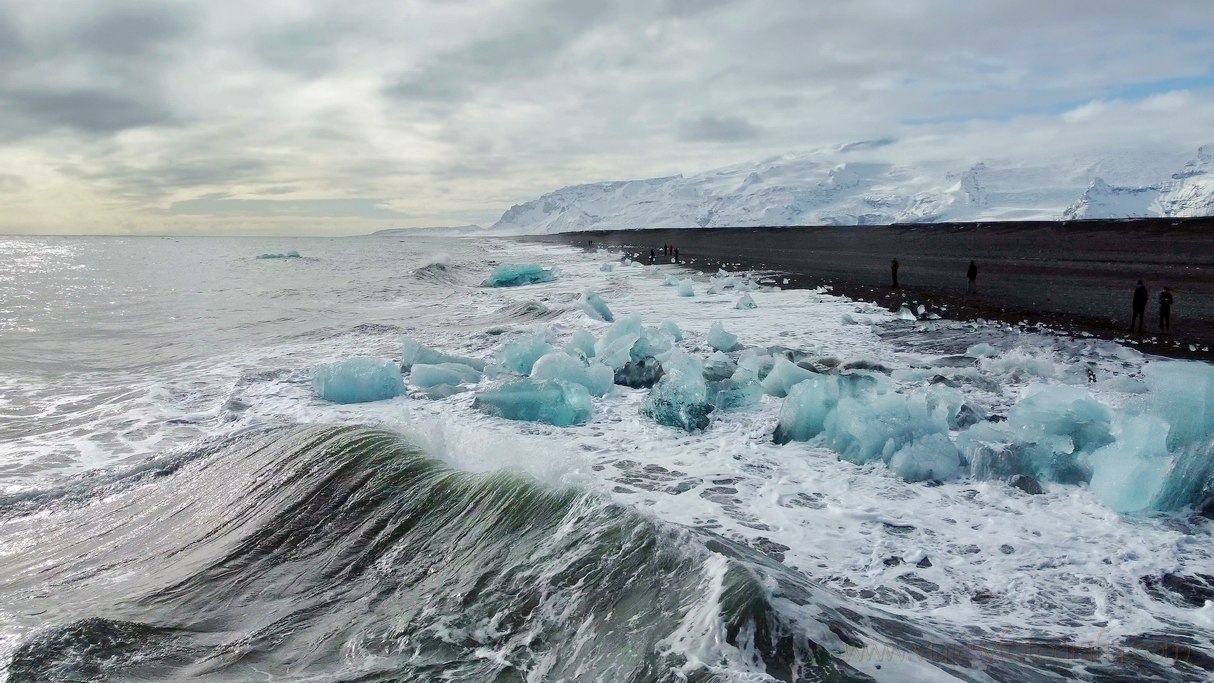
(346, 116)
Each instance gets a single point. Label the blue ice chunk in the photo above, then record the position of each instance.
(719, 366)
(673, 329)
(614, 347)
(581, 343)
(904, 313)
(740, 391)
(597, 379)
(1056, 426)
(517, 274)
(982, 350)
(1129, 474)
(680, 398)
(759, 362)
(721, 340)
(1182, 393)
(813, 401)
(357, 380)
(415, 353)
(428, 376)
(670, 281)
(782, 377)
(686, 289)
(519, 355)
(594, 306)
(655, 342)
(932, 457)
(745, 303)
(553, 402)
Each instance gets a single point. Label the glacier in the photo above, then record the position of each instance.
(357, 380)
(848, 185)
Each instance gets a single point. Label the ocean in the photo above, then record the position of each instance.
(176, 503)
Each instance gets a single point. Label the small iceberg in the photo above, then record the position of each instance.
(721, 340)
(518, 274)
(581, 343)
(428, 376)
(670, 281)
(555, 402)
(357, 380)
(680, 398)
(289, 254)
(597, 379)
(519, 355)
(416, 353)
(745, 303)
(685, 288)
(595, 307)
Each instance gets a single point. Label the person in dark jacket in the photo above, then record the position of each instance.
(972, 276)
(893, 271)
(1140, 305)
(653, 255)
(1165, 310)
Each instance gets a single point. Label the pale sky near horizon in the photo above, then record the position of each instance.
(342, 117)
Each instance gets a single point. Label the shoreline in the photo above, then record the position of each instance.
(1071, 278)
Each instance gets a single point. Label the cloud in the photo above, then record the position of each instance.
(453, 111)
(708, 127)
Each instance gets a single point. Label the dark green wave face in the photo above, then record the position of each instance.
(348, 554)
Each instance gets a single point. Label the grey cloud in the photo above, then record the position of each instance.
(133, 30)
(150, 182)
(711, 128)
(87, 111)
(209, 205)
(11, 183)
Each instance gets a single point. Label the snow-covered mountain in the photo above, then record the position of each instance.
(837, 186)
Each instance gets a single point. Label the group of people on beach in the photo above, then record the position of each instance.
(1141, 296)
(667, 250)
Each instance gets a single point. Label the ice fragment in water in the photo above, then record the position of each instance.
(680, 398)
(673, 329)
(357, 380)
(982, 350)
(721, 340)
(519, 355)
(740, 391)
(757, 362)
(639, 374)
(426, 376)
(670, 281)
(581, 343)
(904, 313)
(607, 267)
(1129, 473)
(718, 366)
(745, 303)
(931, 457)
(553, 402)
(921, 310)
(597, 379)
(517, 274)
(594, 306)
(784, 374)
(416, 353)
(685, 288)
(614, 348)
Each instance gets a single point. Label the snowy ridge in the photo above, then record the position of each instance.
(848, 185)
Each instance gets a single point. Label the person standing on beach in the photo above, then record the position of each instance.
(1140, 305)
(653, 256)
(972, 276)
(893, 270)
(1165, 310)
(676, 254)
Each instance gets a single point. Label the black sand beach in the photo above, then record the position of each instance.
(1075, 276)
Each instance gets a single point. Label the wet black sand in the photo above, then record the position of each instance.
(1073, 277)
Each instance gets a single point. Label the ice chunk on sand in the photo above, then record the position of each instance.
(581, 343)
(426, 376)
(759, 362)
(745, 303)
(614, 348)
(519, 355)
(594, 306)
(811, 402)
(670, 281)
(416, 353)
(596, 378)
(673, 329)
(740, 391)
(904, 313)
(680, 398)
(553, 402)
(357, 380)
(607, 267)
(718, 366)
(517, 274)
(685, 288)
(721, 340)
(784, 374)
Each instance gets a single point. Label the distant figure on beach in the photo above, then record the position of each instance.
(590, 242)
(972, 276)
(1165, 310)
(653, 256)
(676, 254)
(893, 270)
(1140, 305)
(665, 250)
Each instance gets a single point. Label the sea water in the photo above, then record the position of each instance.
(176, 495)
